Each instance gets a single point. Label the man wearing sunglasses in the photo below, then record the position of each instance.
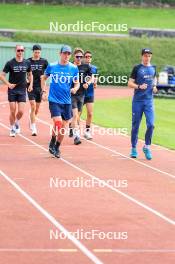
(18, 69)
(38, 66)
(85, 76)
(62, 74)
(89, 95)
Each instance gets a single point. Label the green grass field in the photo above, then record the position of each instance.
(39, 16)
(116, 113)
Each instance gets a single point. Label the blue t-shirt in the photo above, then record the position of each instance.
(143, 74)
(62, 77)
(90, 91)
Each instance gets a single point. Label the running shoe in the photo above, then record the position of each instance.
(52, 145)
(77, 141)
(12, 132)
(57, 153)
(34, 130)
(87, 135)
(134, 153)
(71, 132)
(17, 128)
(147, 152)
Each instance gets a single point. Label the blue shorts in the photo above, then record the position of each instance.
(63, 110)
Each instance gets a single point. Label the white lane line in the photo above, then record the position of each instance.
(141, 140)
(108, 250)
(73, 250)
(134, 160)
(76, 242)
(42, 250)
(128, 197)
(120, 154)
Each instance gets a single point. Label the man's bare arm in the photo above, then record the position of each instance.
(30, 77)
(5, 81)
(76, 87)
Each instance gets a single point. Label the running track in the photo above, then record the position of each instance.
(30, 208)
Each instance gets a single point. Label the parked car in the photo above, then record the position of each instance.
(166, 79)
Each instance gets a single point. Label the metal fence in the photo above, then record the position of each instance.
(7, 51)
(99, 2)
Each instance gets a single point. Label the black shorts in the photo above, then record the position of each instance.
(16, 96)
(88, 99)
(77, 102)
(63, 110)
(35, 95)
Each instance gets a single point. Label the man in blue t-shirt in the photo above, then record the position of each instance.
(143, 81)
(89, 95)
(62, 75)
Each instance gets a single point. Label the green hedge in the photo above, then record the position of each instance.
(99, 2)
(114, 57)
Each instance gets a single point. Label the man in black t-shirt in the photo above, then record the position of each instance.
(78, 98)
(18, 69)
(38, 66)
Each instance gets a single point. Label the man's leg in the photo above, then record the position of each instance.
(33, 109)
(75, 126)
(21, 106)
(149, 114)
(12, 118)
(137, 112)
(89, 109)
(57, 136)
(37, 108)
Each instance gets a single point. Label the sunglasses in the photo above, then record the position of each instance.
(78, 57)
(67, 52)
(88, 56)
(20, 50)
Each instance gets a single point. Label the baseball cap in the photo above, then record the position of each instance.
(66, 48)
(36, 47)
(146, 50)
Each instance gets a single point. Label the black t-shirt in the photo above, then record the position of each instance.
(38, 67)
(17, 73)
(84, 71)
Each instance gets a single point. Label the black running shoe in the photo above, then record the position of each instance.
(77, 141)
(57, 153)
(52, 145)
(71, 132)
(56, 150)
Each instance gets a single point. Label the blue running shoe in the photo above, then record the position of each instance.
(133, 153)
(147, 152)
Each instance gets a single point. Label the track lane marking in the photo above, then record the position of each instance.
(128, 197)
(120, 154)
(47, 215)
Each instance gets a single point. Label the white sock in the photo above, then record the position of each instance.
(33, 126)
(76, 133)
(17, 122)
(147, 146)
